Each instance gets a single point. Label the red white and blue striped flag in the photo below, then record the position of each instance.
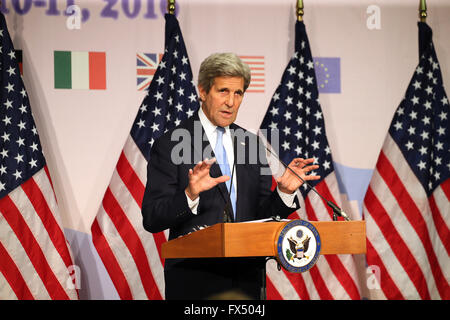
(132, 255)
(36, 261)
(295, 113)
(407, 204)
(257, 71)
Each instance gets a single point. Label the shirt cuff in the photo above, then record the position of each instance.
(192, 204)
(288, 198)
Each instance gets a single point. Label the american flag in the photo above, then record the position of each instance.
(295, 113)
(406, 207)
(131, 255)
(36, 260)
(146, 65)
(257, 71)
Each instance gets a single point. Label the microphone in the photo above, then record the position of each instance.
(336, 210)
(228, 210)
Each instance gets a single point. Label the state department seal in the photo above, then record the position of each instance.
(298, 246)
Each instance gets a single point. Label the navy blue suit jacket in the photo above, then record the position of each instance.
(165, 207)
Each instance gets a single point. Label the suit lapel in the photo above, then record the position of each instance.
(239, 171)
(202, 149)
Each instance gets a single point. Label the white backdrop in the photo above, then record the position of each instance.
(83, 131)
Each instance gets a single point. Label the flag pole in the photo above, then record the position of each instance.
(423, 11)
(300, 11)
(171, 7)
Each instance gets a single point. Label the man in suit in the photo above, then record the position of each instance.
(215, 174)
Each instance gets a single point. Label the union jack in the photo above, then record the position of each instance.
(146, 64)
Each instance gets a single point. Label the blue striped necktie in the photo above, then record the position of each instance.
(222, 160)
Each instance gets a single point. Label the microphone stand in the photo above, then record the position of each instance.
(228, 212)
(336, 210)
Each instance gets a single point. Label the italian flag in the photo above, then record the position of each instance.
(80, 70)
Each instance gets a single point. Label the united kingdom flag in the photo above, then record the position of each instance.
(146, 64)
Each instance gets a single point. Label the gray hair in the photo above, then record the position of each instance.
(222, 65)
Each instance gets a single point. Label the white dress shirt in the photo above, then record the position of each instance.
(211, 134)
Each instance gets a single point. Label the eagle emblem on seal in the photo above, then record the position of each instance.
(299, 246)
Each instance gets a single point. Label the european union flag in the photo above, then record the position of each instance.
(328, 74)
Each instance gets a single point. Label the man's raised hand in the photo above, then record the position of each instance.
(200, 179)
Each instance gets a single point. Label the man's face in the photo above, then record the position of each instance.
(222, 102)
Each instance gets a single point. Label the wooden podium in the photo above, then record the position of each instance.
(257, 239)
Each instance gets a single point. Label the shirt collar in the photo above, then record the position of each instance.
(208, 126)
